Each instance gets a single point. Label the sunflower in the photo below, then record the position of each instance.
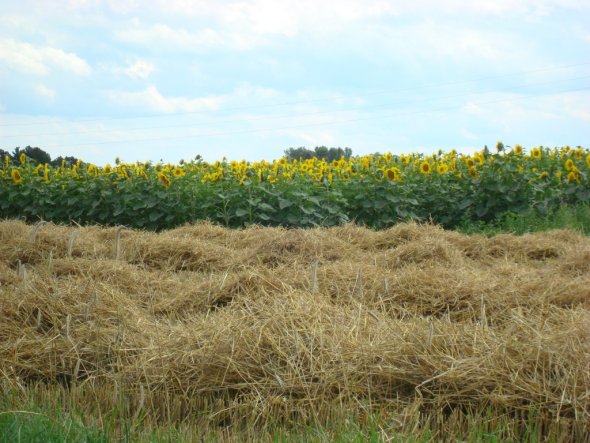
(517, 149)
(470, 163)
(108, 169)
(16, 177)
(425, 167)
(393, 173)
(6, 160)
(588, 160)
(164, 179)
(473, 172)
(573, 176)
(442, 168)
(178, 172)
(543, 175)
(536, 153)
(23, 158)
(569, 164)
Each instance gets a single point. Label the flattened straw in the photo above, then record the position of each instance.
(385, 285)
(36, 228)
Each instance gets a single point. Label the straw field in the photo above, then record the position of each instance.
(211, 327)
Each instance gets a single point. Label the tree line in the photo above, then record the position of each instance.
(38, 156)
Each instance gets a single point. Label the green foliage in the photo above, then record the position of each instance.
(376, 191)
(321, 152)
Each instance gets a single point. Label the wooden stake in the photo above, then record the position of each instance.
(314, 277)
(118, 243)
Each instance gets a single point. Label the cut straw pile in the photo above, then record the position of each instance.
(269, 322)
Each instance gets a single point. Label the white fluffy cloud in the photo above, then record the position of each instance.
(152, 99)
(139, 69)
(40, 60)
(45, 92)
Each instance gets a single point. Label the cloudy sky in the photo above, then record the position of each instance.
(170, 79)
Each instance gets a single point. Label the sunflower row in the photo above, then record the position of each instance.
(376, 190)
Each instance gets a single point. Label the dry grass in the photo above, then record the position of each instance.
(203, 324)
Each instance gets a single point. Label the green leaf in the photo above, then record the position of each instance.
(315, 200)
(266, 207)
(240, 212)
(155, 216)
(284, 203)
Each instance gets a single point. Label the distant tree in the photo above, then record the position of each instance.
(3, 154)
(300, 153)
(322, 152)
(69, 161)
(38, 155)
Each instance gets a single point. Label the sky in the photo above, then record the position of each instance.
(172, 79)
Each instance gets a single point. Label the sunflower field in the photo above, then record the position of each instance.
(374, 190)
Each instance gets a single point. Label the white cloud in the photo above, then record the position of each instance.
(139, 69)
(435, 41)
(152, 99)
(45, 92)
(40, 60)
(160, 35)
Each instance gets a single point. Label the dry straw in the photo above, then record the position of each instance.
(284, 324)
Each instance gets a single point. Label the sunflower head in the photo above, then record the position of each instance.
(536, 153)
(442, 168)
(23, 158)
(17, 178)
(163, 178)
(393, 174)
(573, 176)
(178, 172)
(569, 164)
(517, 149)
(425, 167)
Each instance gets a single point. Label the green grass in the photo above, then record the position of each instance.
(573, 217)
(29, 417)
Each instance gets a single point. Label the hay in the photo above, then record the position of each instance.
(413, 313)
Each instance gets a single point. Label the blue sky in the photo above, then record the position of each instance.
(170, 79)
